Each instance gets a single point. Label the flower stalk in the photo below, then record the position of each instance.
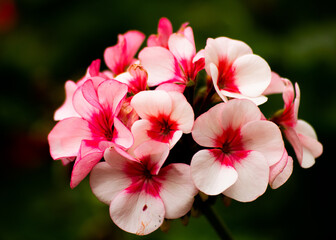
(215, 221)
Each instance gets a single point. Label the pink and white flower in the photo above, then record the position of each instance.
(299, 133)
(242, 149)
(165, 116)
(121, 55)
(86, 137)
(235, 71)
(178, 64)
(141, 193)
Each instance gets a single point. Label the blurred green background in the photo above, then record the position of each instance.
(44, 43)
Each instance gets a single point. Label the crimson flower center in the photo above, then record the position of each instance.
(162, 128)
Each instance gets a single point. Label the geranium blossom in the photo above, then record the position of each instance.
(129, 126)
(235, 71)
(165, 116)
(178, 64)
(141, 193)
(121, 55)
(299, 133)
(86, 137)
(242, 148)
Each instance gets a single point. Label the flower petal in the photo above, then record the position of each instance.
(252, 75)
(66, 137)
(264, 137)
(155, 152)
(165, 29)
(67, 109)
(177, 190)
(224, 48)
(182, 48)
(152, 103)
(256, 100)
(276, 85)
(89, 155)
(236, 113)
(160, 65)
(85, 101)
(122, 135)
(182, 112)
(107, 179)
(134, 40)
(139, 213)
(110, 95)
(209, 175)
(253, 174)
(208, 126)
(294, 140)
(281, 171)
(308, 138)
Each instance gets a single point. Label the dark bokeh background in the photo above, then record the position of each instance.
(44, 43)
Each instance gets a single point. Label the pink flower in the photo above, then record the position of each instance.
(165, 116)
(177, 65)
(299, 133)
(235, 71)
(141, 193)
(135, 78)
(121, 55)
(86, 137)
(93, 73)
(242, 149)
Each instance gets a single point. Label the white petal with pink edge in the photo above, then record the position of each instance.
(137, 213)
(253, 174)
(209, 174)
(177, 190)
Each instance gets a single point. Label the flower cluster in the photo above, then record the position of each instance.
(155, 131)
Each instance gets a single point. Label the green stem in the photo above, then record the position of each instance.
(215, 221)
